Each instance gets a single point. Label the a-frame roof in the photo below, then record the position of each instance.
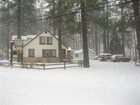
(40, 34)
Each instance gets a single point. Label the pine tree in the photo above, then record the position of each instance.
(115, 44)
(9, 18)
(84, 34)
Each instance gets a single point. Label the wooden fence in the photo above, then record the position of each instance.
(43, 66)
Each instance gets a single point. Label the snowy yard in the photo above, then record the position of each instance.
(105, 83)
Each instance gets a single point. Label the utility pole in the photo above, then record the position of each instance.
(84, 34)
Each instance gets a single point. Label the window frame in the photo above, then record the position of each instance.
(42, 40)
(31, 52)
(50, 52)
(49, 40)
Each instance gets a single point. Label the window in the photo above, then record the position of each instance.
(49, 40)
(45, 40)
(48, 53)
(31, 52)
(76, 55)
(42, 40)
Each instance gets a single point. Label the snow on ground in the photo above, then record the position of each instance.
(105, 83)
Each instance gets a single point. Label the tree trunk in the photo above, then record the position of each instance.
(19, 19)
(104, 41)
(60, 33)
(19, 27)
(122, 30)
(136, 6)
(96, 39)
(53, 20)
(107, 31)
(84, 34)
(104, 31)
(8, 34)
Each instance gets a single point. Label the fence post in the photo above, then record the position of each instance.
(80, 62)
(44, 66)
(64, 65)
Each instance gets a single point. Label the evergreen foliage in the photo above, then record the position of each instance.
(109, 22)
(115, 43)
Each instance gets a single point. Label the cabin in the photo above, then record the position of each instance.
(41, 48)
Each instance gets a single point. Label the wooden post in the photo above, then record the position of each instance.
(64, 65)
(44, 66)
(11, 53)
(21, 54)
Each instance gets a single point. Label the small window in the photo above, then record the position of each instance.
(42, 40)
(31, 52)
(49, 40)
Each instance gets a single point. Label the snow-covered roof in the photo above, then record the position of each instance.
(69, 49)
(78, 51)
(23, 37)
(81, 51)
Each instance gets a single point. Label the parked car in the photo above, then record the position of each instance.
(104, 56)
(119, 58)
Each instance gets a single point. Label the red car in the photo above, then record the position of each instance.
(104, 56)
(119, 58)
